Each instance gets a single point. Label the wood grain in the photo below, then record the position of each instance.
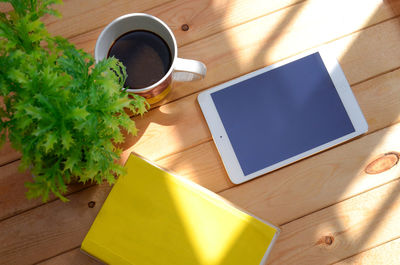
(182, 123)
(181, 141)
(71, 257)
(50, 229)
(164, 128)
(77, 21)
(220, 15)
(12, 191)
(272, 38)
(93, 14)
(342, 230)
(8, 154)
(387, 253)
(201, 164)
(206, 18)
(179, 125)
(325, 237)
(203, 18)
(379, 99)
(394, 5)
(312, 184)
(319, 181)
(310, 21)
(223, 60)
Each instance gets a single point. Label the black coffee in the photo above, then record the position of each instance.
(145, 55)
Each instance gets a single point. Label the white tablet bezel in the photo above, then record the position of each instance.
(221, 138)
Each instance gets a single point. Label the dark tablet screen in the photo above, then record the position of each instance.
(282, 113)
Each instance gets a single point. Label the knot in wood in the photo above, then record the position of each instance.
(185, 27)
(91, 204)
(382, 163)
(329, 240)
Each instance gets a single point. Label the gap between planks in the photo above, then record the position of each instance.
(62, 253)
(294, 4)
(209, 140)
(338, 202)
(156, 106)
(267, 9)
(382, 253)
(348, 210)
(352, 226)
(376, 255)
(103, 192)
(192, 92)
(104, 25)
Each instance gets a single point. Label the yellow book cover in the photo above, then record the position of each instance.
(152, 217)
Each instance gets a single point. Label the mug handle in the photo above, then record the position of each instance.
(188, 70)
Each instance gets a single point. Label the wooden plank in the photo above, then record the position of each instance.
(179, 125)
(182, 123)
(318, 181)
(359, 63)
(175, 14)
(169, 129)
(93, 14)
(280, 197)
(8, 154)
(12, 191)
(80, 20)
(264, 41)
(45, 227)
(206, 18)
(71, 257)
(201, 164)
(203, 17)
(394, 5)
(254, 45)
(76, 21)
(345, 229)
(378, 98)
(387, 253)
(60, 207)
(198, 162)
(310, 21)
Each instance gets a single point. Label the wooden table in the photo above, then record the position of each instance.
(340, 206)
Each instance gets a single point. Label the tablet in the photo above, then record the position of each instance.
(281, 113)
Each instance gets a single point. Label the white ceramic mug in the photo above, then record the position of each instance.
(180, 69)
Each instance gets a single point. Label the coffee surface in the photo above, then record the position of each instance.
(146, 56)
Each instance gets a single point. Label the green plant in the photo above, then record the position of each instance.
(60, 110)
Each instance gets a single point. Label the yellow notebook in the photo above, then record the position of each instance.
(153, 217)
